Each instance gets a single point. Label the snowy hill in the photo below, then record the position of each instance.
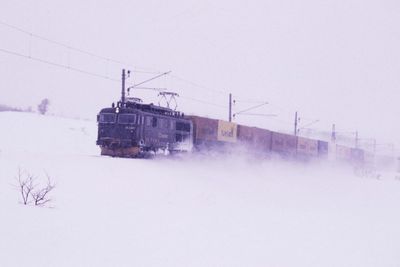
(185, 212)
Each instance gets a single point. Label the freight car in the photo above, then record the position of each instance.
(306, 148)
(213, 134)
(255, 139)
(284, 144)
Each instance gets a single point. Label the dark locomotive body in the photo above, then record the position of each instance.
(133, 129)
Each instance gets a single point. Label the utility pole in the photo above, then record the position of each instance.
(398, 166)
(295, 123)
(356, 139)
(230, 107)
(333, 137)
(123, 87)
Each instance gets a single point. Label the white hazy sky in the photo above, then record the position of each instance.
(335, 61)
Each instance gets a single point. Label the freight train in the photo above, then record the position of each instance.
(134, 129)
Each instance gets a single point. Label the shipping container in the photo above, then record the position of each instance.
(204, 129)
(369, 158)
(284, 144)
(343, 153)
(357, 155)
(245, 134)
(323, 148)
(254, 138)
(211, 134)
(227, 131)
(306, 148)
(262, 139)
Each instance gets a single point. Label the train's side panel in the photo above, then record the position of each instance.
(262, 139)
(245, 135)
(204, 129)
(213, 134)
(217, 134)
(306, 148)
(284, 144)
(323, 148)
(255, 139)
(369, 158)
(357, 155)
(156, 131)
(343, 153)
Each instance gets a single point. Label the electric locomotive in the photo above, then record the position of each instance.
(134, 129)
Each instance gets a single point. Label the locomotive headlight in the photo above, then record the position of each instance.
(117, 110)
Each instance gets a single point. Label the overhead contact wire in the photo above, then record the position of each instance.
(31, 34)
(204, 102)
(57, 65)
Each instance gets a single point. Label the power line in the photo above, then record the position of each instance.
(54, 64)
(198, 85)
(151, 79)
(107, 59)
(222, 92)
(259, 114)
(95, 74)
(204, 102)
(243, 100)
(57, 64)
(248, 101)
(251, 108)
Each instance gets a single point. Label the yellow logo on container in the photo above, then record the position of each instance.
(227, 131)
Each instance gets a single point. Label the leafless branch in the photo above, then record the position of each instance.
(25, 185)
(31, 191)
(40, 196)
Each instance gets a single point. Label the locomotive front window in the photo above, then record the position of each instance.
(127, 118)
(107, 118)
(182, 126)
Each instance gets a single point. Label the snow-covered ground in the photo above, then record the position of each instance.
(193, 211)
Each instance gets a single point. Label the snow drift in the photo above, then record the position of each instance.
(185, 211)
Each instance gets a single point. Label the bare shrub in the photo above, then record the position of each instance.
(25, 185)
(40, 196)
(31, 191)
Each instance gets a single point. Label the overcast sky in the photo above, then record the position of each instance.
(332, 61)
